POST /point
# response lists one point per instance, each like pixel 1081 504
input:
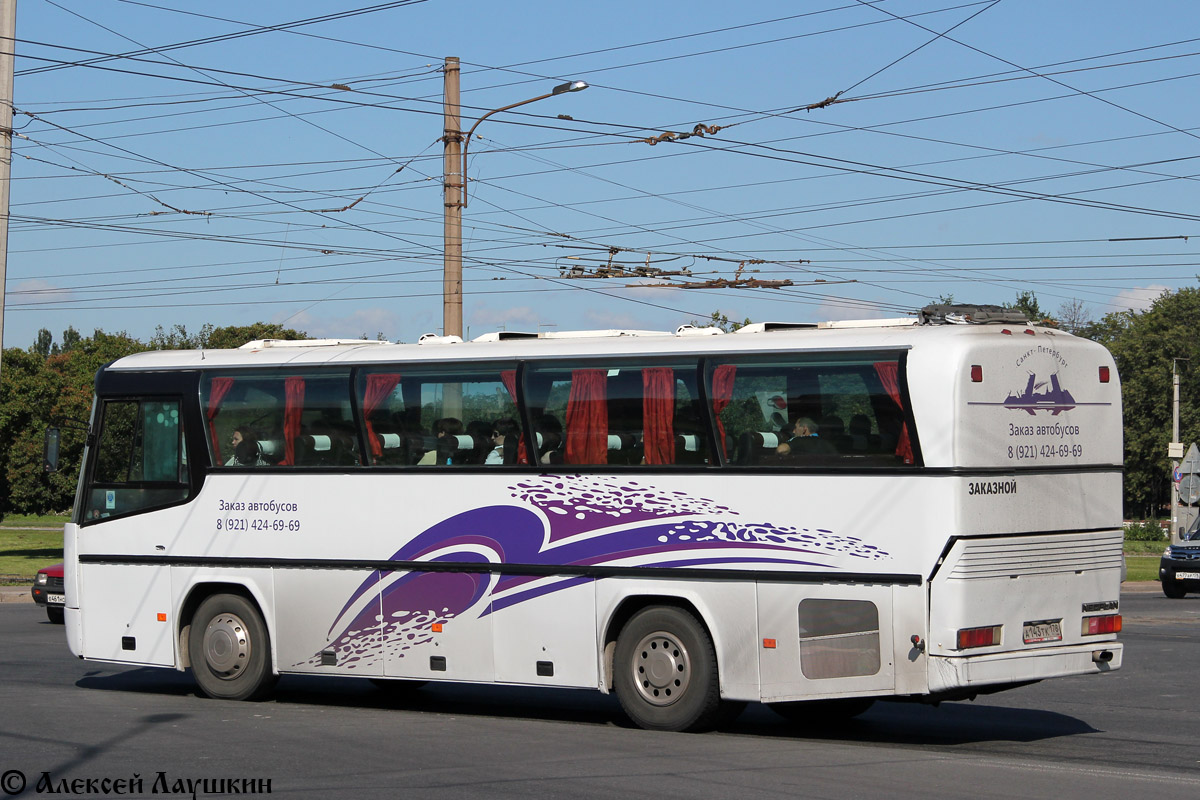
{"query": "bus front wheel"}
pixel 229 649
pixel 665 671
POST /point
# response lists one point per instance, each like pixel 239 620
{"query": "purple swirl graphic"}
pixel 574 520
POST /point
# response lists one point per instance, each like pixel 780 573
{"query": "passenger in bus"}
pixel 245 449
pixel 804 440
pixel 551 430
pixel 444 430
pixel 505 435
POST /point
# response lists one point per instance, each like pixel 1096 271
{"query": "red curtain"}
pixel 379 386
pixel 587 417
pixel 293 405
pixel 509 376
pixel 658 415
pixel 889 375
pixel 722 394
pixel 216 395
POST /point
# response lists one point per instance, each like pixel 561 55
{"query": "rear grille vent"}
pixel 1038 555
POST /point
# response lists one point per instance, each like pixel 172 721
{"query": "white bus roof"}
pixel 504 345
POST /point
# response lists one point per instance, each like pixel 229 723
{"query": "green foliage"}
pixel 1027 304
pixel 722 321
pixel 1148 530
pixel 1144 344
pixel 51 384
pixel 228 337
pixel 37 392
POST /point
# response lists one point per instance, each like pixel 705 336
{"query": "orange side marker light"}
pixel 437 627
pixel 162 617
pixel 768 644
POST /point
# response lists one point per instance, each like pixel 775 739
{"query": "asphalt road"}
pixel 1132 733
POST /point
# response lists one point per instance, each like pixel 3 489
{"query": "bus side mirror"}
pixel 50 450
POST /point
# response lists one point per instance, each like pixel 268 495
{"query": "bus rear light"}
pixel 1104 374
pixel 979 637
pixel 976 373
pixel 1030 332
pixel 1006 331
pixel 1096 625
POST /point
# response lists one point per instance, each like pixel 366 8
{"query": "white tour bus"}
pixel 810 516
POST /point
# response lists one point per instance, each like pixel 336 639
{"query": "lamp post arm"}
pixel 467 139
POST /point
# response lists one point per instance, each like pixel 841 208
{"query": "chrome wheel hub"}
pixel 226 646
pixel 661 668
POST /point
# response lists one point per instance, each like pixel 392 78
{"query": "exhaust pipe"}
pixel 1102 656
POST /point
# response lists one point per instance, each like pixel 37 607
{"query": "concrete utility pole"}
pixel 453 184
pixel 8 46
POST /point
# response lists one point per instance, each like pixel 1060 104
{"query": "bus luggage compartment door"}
pixel 825 641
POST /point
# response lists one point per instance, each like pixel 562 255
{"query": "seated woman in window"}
pixel 445 430
pixel 505 435
pixel 245 449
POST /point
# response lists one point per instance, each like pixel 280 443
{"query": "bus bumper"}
pixel 946 673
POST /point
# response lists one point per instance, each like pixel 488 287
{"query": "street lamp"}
pixel 562 88
pixel 454 163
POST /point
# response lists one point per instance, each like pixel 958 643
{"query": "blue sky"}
pixel 204 175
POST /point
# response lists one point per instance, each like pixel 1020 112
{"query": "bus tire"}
pixel 1172 589
pixel 230 650
pixel 55 614
pixel 666 671
pixel 812 712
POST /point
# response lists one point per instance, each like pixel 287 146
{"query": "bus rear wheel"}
pixel 665 671
pixel 229 649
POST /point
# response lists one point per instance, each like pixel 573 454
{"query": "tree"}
pixel 232 336
pixel 1144 344
pixel 1074 317
pixel 719 320
pixel 44 344
pixel 1027 304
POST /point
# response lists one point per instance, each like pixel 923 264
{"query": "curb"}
pixel 15 594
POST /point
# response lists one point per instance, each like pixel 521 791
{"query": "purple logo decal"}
pixel 1044 396
pixel 574 520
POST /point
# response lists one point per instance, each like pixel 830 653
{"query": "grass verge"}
pixel 23 553
pixel 55 521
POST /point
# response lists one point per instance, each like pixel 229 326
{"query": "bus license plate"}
pixel 56 599
pixel 1034 632
pixel 1187 576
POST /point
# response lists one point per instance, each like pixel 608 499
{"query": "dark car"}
pixel 1179 569
pixel 48 591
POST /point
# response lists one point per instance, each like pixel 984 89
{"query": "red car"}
pixel 48 591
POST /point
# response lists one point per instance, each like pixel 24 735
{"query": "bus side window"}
pixel 843 410
pixel 441 416
pixel 298 419
pixel 618 413
pixel 140 460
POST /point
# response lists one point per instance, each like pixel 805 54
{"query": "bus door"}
pixel 139 463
